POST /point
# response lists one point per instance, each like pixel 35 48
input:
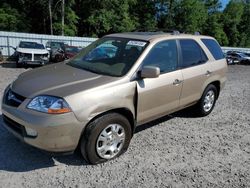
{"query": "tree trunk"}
pixel 50 17
pixel 63 2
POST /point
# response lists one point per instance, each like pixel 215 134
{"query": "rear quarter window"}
pixel 214 48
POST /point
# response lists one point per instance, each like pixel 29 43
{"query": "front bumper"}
pixel 55 133
pixel 33 59
pixel 33 62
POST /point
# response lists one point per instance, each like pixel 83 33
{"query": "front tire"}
pixel 105 138
pixel 207 101
pixel 18 65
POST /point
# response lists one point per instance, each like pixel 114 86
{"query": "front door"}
pixel 159 96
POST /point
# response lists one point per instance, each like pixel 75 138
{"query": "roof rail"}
pixel 175 32
pixel 197 33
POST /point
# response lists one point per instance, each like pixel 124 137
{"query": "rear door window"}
pixel 214 48
pixel 192 54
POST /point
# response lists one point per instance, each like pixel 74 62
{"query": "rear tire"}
pixel 207 101
pixel 105 138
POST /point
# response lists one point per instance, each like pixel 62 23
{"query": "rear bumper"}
pixel 55 133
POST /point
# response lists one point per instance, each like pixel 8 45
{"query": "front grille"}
pixel 26 56
pixel 13 99
pixel 14 126
pixel 38 57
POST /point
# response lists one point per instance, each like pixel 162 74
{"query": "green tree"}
pixel 144 11
pixel 35 14
pixel 8 20
pixel 96 18
pixel 190 15
pixel 214 23
pixel 245 26
pixel 111 16
pixel 232 18
pixel 214 28
pixel 71 19
pixel 11 19
pixel 213 6
pixel 166 14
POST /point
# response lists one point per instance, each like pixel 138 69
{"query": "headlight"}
pixel 49 104
pixel 44 56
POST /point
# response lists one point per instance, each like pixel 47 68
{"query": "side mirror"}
pixel 150 72
pixel 48 48
pixel 14 48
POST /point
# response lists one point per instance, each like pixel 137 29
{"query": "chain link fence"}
pixel 10 40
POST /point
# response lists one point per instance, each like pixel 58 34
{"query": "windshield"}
pixel 57 45
pixel 243 55
pixel 32 45
pixel 109 56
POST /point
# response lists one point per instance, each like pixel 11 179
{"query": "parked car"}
pixel 1 55
pixel 31 53
pixel 237 58
pixel 96 101
pixel 72 51
pixel 245 59
pixel 57 50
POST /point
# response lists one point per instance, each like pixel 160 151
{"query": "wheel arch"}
pixel 217 85
pixel 215 82
pixel 122 111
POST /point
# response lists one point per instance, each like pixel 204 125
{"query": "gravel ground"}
pixel 175 151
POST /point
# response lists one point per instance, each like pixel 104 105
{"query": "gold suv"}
pixel 95 100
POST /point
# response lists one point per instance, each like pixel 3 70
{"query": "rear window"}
pixel 214 48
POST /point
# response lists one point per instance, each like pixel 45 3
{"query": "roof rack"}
pixel 197 33
pixel 175 32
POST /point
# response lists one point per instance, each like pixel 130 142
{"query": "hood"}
pixel 248 58
pixel 57 80
pixel 32 51
pixel 70 54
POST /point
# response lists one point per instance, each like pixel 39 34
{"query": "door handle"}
pixel 208 73
pixel 177 82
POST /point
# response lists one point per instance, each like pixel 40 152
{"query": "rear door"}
pixel 195 70
pixel 219 64
pixel 159 96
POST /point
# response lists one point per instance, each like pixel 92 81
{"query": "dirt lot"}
pixel 177 150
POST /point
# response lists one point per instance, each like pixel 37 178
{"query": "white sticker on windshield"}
pixel 136 43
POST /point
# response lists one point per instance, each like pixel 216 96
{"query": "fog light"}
pixel 31 132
